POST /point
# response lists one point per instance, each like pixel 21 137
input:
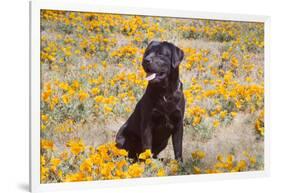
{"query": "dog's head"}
pixel 161 59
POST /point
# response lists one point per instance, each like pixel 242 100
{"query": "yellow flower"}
pixel 46 95
pixel 128 110
pixel 106 169
pixel 135 170
pixel 253 160
pixel 55 162
pixel 196 170
pixel 70 91
pixel 86 165
pixel 174 166
pixel 225 55
pixel 234 61
pixel 212 171
pixel 220 158
pixel 54 102
pixel 216 123
pixel 230 158
pixel 122 152
pixel 83 95
pixel 44 173
pixel 223 114
pixel 95 91
pixel 219 165
pixel 229 162
pixel 47 144
pixel 121 164
pixel 75 177
pixel 76 147
pixel 198 154
pixel 99 99
pixel 242 164
pixel 64 86
pixel 145 155
pixel 43 127
pixel 107 109
pixel 75 84
pixel 42 160
pixel 65 99
pixel 148 161
pixel 120 173
pixel 96 159
pixel 233 114
pixel 196 120
pixel 249 79
pixel 238 104
pixel 60 173
pixel 44 118
pixel 161 172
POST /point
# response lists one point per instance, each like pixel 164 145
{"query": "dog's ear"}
pixel 177 56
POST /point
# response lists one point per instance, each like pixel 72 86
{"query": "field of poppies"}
pixel 91 79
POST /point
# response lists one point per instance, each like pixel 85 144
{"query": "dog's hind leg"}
pixel 120 137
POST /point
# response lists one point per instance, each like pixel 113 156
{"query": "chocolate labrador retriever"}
pixel 159 113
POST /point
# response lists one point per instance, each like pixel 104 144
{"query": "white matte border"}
pixel 89 6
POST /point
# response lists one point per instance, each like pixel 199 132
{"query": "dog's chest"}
pixel 168 104
pixel 166 113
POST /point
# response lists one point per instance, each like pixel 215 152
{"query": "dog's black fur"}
pixel 159 113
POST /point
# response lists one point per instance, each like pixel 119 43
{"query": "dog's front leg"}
pixel 146 137
pixel 177 141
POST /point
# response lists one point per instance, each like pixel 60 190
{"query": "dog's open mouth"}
pixel 151 76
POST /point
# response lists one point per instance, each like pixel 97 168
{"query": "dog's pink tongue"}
pixel 150 76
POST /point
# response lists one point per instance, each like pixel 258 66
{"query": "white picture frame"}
pixel 36 6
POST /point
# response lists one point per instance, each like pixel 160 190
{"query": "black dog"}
pixel 159 113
